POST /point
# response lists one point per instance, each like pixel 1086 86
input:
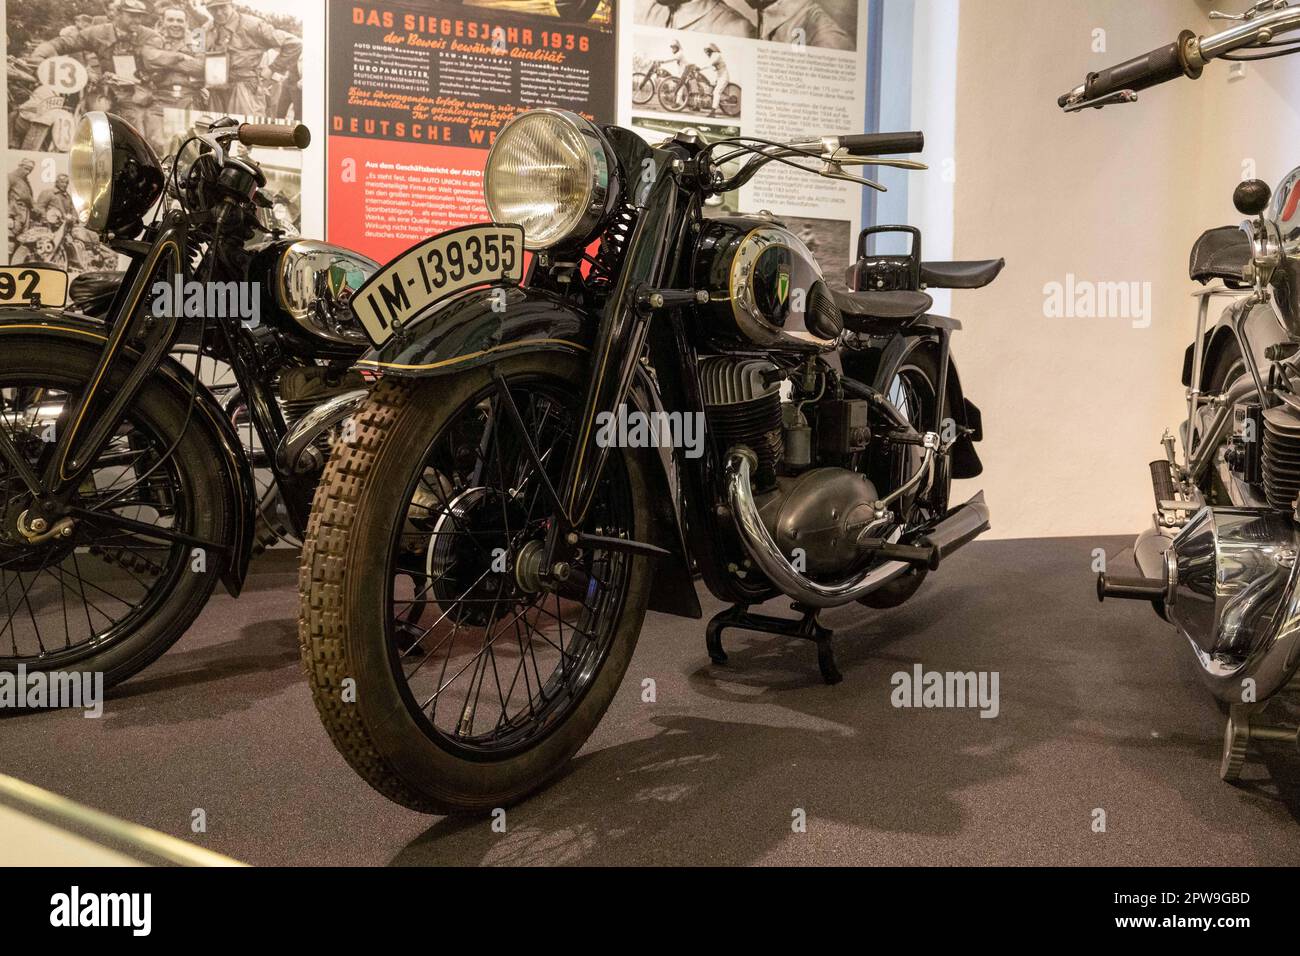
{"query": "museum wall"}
pixel 1075 400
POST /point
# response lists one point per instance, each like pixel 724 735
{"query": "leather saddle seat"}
pixel 871 311
pixel 93 288
pixel 1221 253
pixel 972 274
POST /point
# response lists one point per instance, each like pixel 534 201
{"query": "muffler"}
pixel 958 528
pixel 297 452
pixel 1229 585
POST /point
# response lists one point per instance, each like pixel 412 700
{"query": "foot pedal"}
pixel 1162 482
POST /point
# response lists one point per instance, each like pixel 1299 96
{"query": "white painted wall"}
pixel 1074 407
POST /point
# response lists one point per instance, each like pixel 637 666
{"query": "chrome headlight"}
pixel 115 176
pixel 91 170
pixel 550 172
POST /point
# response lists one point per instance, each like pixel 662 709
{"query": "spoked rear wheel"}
pixel 475 677
pixel 914 391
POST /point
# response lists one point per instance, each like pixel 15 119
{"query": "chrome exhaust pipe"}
pixel 1231 585
pixel 295 453
pixel 740 463
pixel 962 525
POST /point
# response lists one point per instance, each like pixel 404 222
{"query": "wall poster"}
pixel 163 65
pixel 404 98
pixel 417 91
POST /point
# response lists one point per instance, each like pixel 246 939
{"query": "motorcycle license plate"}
pixel 405 291
pixel 26 285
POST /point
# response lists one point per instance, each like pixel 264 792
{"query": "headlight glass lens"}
pixel 546 173
pixel 90 166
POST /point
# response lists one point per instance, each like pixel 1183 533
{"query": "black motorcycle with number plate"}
pixel 131 487
pixel 585 402
pixel 1219 561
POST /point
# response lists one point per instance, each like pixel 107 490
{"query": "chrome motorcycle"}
pixel 557 446
pixel 1219 561
pixel 128 488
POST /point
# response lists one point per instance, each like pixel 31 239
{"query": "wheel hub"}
pixel 470 559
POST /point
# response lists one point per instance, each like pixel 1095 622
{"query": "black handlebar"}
pixel 1159 66
pixel 276 135
pixel 880 144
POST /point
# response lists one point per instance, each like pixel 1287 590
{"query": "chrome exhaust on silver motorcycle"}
pixel 1230 586
pixel 959 528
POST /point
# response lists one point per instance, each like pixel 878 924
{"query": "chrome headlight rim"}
pixel 599 172
pixel 94 201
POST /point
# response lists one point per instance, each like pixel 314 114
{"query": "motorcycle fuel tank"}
pixel 312 283
pixel 765 287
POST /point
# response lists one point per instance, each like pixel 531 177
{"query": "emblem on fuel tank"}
pixel 783 285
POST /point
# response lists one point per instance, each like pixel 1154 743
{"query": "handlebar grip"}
pixel 1151 69
pixel 277 135
pixel 880 144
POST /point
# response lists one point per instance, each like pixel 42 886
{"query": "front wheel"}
pixel 643 88
pixel 450 672
pixel 673 94
pixel 104 594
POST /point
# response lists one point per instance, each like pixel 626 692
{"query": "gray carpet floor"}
pixel 1100 710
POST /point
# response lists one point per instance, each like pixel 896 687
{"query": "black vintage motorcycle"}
pixel 1219 561
pixel 543 463
pixel 128 491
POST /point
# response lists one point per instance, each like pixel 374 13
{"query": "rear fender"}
pixel 878 366
pixel 1262 330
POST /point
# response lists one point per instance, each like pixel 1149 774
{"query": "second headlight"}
pixel 550 172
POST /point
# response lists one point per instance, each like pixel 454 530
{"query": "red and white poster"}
pixel 416 92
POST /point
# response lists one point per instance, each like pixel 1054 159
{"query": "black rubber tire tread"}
pixel 390 751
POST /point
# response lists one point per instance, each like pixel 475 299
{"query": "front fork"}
pixel 648 263
pixel 82 431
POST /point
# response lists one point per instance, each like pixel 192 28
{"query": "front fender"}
pixel 227 452
pixel 480 327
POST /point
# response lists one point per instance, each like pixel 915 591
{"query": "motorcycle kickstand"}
pixel 806 626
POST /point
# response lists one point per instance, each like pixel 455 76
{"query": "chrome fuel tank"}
pixel 311 284
pixel 765 287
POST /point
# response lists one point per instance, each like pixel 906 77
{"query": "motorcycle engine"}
pixel 1280 456
pixel 813 513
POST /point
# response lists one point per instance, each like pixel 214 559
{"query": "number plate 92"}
pixel 405 291
pixel 25 285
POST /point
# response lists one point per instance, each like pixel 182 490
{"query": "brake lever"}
pixel 833 170
pixel 1110 99
pixel 841 158
pixel 1253 12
